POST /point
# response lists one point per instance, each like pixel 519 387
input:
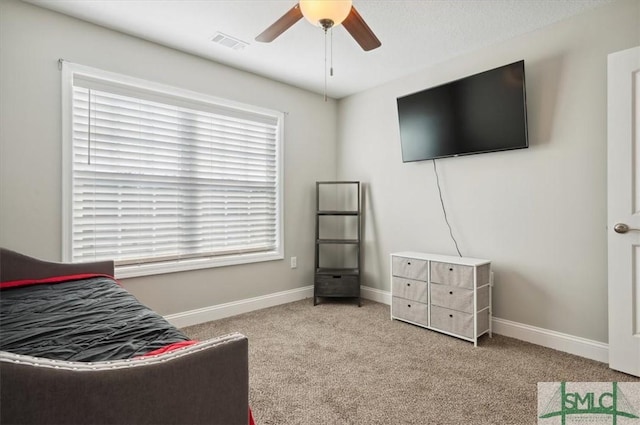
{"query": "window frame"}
pixel 69 70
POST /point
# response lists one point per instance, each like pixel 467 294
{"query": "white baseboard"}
pixel 559 341
pixel 220 311
pixel 377 295
pixel 582 347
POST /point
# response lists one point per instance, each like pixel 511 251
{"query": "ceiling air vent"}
pixel 228 41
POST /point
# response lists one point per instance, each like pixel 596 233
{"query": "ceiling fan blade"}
pixel 281 25
pixel 360 31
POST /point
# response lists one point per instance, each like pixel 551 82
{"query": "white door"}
pixel 624 210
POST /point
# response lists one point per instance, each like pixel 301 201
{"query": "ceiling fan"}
pixel 327 14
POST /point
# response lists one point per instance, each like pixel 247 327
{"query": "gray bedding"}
pixel 88 320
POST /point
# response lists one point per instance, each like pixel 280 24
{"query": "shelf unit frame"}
pixel 337 282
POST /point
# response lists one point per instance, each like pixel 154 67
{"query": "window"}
pixel 161 179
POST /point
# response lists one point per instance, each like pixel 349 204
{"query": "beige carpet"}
pixel 339 364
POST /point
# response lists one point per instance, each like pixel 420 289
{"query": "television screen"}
pixel 485 112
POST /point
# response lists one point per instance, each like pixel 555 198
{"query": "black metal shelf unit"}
pixel 339 274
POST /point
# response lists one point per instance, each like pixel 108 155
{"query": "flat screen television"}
pixel 485 112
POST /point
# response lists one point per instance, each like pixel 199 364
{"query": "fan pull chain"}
pixel 331 53
pixel 330 67
pixel 325 64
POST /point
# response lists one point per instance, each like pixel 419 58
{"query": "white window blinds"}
pixel 159 178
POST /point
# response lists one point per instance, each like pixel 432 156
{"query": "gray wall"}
pixel 31 42
pixel 539 214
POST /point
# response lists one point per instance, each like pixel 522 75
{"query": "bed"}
pixel 77 348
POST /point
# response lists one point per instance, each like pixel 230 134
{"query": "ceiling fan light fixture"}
pixel 325 13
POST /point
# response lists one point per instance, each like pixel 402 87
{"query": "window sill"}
pixel 149 269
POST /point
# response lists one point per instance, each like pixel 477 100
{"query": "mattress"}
pixel 83 318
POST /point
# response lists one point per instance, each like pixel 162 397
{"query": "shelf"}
pixel 338 241
pixel 335 212
pixel 336 271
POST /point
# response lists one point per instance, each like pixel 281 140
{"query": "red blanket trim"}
pixel 54 279
pixel 251 420
pixel 168 348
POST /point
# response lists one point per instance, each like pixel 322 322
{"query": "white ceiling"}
pixel 414 34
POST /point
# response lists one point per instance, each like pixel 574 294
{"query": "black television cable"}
pixel 444 210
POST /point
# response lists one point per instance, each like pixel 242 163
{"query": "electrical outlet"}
pixel 294 262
